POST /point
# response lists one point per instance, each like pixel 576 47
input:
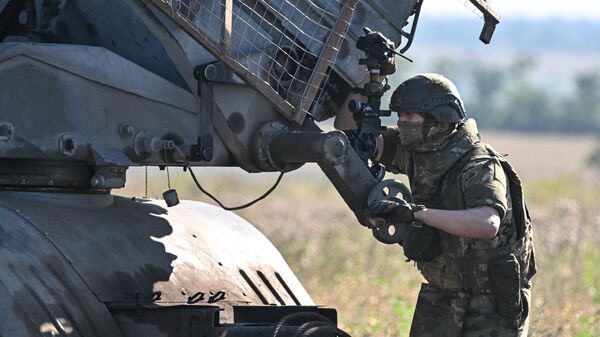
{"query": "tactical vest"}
pixel 464 262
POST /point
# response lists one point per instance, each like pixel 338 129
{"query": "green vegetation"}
pixel 507 99
pixel 567 287
pixel 505 96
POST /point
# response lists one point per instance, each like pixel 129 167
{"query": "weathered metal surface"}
pixel 42 294
pixel 135 252
pixel 169 321
pixel 90 101
pixel 353 181
pixel 92 23
pixel 136 81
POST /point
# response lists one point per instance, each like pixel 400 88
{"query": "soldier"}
pixel 469 231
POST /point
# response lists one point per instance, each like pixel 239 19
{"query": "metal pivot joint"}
pixel 281 149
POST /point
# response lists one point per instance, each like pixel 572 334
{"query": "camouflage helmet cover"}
pixel 432 94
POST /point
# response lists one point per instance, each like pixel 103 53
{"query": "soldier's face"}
pixel 410 127
pixel 410 117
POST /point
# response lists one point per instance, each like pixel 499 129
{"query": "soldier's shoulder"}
pixel 476 157
pixel 483 164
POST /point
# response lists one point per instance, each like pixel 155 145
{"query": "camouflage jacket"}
pixel 465 174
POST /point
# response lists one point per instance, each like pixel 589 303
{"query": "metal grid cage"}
pixel 283 48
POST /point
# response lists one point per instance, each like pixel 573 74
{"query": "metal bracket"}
pixel 206 75
pixel 488 29
pixel 413 28
pixel 491 18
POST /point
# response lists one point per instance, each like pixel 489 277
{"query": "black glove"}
pixel 389 67
pixel 394 210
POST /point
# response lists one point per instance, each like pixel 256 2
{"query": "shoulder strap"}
pixel 516 192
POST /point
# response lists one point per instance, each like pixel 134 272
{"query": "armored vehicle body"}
pixel 89 88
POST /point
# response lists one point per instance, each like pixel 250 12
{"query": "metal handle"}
pixel 388 233
pixel 389 188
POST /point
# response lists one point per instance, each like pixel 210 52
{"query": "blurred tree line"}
pixel 507 98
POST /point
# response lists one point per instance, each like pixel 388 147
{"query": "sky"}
pixel 535 9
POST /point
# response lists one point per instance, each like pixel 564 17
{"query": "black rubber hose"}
pixel 302 317
pixel 314 323
pixel 311 325
pixel 320 331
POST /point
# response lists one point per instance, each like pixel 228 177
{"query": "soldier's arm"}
pixel 483 183
pixel 479 222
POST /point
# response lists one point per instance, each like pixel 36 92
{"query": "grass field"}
pixel 374 290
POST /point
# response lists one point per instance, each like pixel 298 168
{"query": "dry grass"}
pixel 374 290
pixel 567 288
pixel 540 156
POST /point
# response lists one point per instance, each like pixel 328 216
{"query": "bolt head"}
pixel 207 154
pixel 211 72
pixel 126 130
pixel 98 181
pixel 338 148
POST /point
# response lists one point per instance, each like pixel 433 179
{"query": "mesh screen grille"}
pixel 283 48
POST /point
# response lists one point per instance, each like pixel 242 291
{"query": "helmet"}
pixel 432 94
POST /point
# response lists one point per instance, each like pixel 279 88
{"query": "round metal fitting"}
pixel 98 181
pixel 263 157
pixel 335 148
pixel 152 144
pixel 236 122
pixel 262 153
pixel 210 72
pixel 139 145
pixel 126 131
pixel 66 145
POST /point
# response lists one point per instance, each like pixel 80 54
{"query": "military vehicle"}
pixel 89 88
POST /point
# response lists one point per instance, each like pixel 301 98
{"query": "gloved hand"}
pixel 394 210
pixel 388 67
pixel 378 46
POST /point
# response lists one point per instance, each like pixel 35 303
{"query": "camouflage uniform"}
pixel 459 299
